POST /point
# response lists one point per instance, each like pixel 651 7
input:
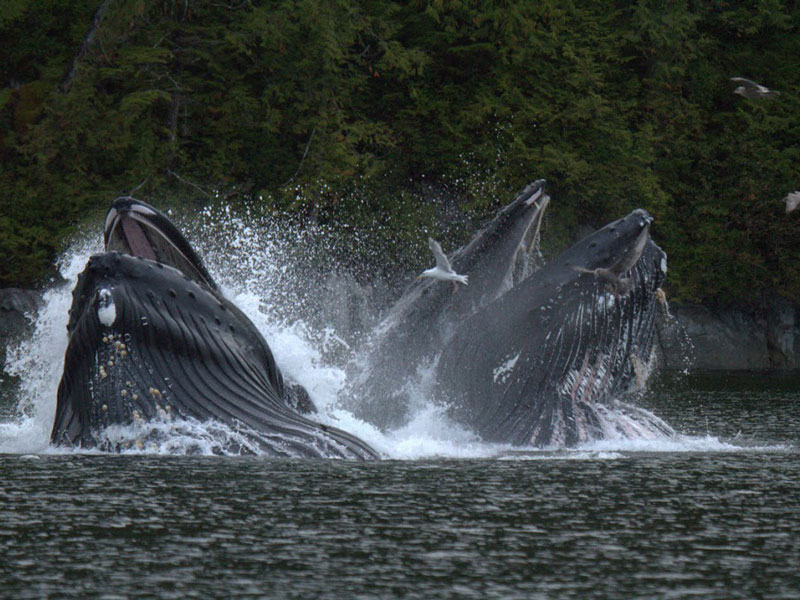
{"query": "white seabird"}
pixel 792 200
pixel 751 89
pixel 442 271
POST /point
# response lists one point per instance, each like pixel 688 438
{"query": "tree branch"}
pixel 138 186
pixel 300 166
pixel 87 42
pixel 187 182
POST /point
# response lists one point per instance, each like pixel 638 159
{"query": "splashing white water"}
pixel 38 361
pixel 276 275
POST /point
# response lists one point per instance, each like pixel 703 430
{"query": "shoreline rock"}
pixel 736 338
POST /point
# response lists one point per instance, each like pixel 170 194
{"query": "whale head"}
pixel 154 344
pixel 136 228
pixel 618 245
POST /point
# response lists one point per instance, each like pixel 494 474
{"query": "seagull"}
pixel 613 275
pixel 751 89
pixel 792 200
pixel 442 271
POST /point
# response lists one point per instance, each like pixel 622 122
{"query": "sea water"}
pixel 711 512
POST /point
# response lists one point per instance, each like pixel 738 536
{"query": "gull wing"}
pixel 441 259
pixel 749 84
pixel 792 200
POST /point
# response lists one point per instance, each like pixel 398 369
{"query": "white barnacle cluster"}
pixel 164 414
pixel 118 350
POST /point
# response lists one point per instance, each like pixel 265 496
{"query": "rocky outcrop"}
pixel 761 337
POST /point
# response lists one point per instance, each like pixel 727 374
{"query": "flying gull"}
pixel 751 89
pixel 442 271
pixel 792 200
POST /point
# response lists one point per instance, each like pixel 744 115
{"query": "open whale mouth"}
pixel 136 228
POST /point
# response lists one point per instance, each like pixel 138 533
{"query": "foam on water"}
pixel 264 268
pixel 38 361
pixel 677 443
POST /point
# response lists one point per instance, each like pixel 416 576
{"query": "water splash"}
pixel 283 277
pixel 38 360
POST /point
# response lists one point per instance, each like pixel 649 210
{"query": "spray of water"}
pixel 312 312
pixel 38 361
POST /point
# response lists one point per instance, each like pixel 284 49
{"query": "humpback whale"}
pixel 539 359
pixel 545 363
pixel 152 338
pixel 415 327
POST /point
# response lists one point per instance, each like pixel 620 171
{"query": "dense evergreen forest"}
pixel 364 110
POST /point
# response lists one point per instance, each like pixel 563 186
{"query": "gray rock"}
pixel 782 332
pixel 733 338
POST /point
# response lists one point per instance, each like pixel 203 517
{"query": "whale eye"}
pixel 191 295
pixel 172 293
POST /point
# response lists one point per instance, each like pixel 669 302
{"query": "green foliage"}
pixel 354 110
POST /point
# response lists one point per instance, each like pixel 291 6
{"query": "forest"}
pixel 398 114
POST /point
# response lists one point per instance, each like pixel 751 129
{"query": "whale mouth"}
pixel 136 228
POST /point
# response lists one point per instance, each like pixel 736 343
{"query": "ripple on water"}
pixel 648 525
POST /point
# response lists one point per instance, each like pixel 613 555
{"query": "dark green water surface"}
pixel 671 523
